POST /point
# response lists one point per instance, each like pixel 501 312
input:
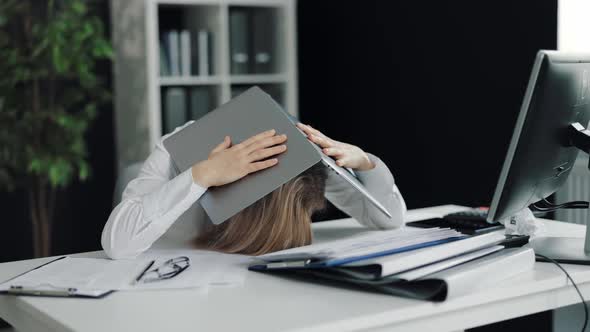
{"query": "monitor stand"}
pixel 567 249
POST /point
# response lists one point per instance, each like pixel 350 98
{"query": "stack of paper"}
pixel 431 264
pixel 366 246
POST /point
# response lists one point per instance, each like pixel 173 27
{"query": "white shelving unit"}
pixel 137 26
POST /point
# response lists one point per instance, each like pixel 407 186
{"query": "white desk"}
pixel 271 303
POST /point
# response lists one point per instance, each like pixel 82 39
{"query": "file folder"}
pixel 434 270
pixel 477 274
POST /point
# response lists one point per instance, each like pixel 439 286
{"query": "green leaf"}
pixel 60 173
pixel 55 176
pixel 59 62
pixel 102 49
pixel 35 166
pixel 84 171
pixel 87 79
pixel 77 147
pixel 90 111
pixel 79 7
pixel 63 120
pixel 87 30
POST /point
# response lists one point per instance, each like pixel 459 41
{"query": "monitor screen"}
pixel 540 155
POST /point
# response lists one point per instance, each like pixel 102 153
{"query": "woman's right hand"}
pixel 227 163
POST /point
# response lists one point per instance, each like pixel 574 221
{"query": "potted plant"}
pixel 49 93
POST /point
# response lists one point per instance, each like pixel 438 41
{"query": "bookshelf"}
pixel 232 45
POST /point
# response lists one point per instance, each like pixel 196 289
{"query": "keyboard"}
pixel 467 222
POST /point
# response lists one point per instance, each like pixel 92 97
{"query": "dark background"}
pixel 433 88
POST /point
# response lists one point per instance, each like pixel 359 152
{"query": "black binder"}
pixel 481 272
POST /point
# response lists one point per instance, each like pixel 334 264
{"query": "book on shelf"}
pixel 263 41
pixel 253 40
pixel 200 102
pixel 205 52
pixel 239 40
pixel 172 43
pixel 185 53
pixel 174 112
pixel 164 62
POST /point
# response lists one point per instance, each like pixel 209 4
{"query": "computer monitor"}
pixel 549 133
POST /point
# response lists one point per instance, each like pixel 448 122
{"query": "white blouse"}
pixel 159 209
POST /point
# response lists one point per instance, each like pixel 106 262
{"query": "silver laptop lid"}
pixel 248 114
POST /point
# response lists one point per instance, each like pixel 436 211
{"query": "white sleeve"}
pixel 379 182
pixel 151 203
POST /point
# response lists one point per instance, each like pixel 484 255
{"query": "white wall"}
pixel 573 25
pixel 573 34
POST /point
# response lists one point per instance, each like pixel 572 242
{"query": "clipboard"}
pixel 47 290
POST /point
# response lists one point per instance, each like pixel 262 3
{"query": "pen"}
pixel 143 272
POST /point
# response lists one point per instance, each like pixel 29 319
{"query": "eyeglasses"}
pixel 169 269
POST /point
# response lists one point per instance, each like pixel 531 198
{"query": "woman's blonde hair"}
pixel 279 220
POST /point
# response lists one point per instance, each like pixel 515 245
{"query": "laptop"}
pixel 248 114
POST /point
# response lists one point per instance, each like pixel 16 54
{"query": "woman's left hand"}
pixel 346 155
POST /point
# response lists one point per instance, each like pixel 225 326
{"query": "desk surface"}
pixel 270 303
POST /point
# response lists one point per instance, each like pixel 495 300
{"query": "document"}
pixel 94 276
pixel 447 263
pixel 481 273
pixel 391 264
pixel 207 268
pixel 367 245
pixel 80 273
pixel 398 263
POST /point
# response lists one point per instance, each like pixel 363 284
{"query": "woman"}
pixel 158 206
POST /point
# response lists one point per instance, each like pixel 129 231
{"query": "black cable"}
pixel 570 205
pixel 581 203
pixel 548 206
pixel 552 207
pixel 536 207
pixel 575 286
